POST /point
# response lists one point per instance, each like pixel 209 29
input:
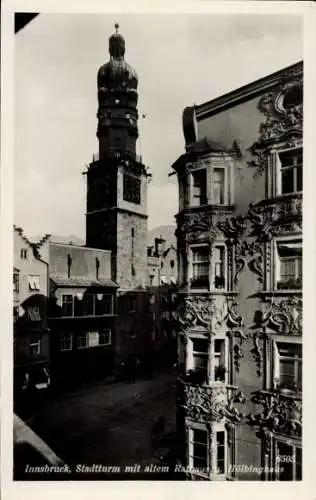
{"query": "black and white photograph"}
pixel 157 247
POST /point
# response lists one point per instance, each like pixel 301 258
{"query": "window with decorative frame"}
pixel 287 460
pixel 199 450
pixel 288 264
pixel 218 186
pixel 197 359
pixel 219 267
pixel 288 366
pixel 219 360
pixel 290 171
pixel 200 277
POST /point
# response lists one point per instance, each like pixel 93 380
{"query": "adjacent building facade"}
pixel 31 332
pixel 239 238
pixel 82 314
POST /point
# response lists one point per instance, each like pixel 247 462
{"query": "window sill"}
pixel 281 292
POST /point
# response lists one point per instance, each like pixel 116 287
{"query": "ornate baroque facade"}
pixel 239 233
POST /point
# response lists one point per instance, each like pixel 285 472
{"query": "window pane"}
pixel 67 309
pixel 78 307
pixel 299 374
pixel 88 305
pixel 218 186
pixel 220 436
pixel 200 345
pixel 287 372
pixel 200 436
pixel 200 254
pixel 200 362
pixel 287 180
pixel 199 187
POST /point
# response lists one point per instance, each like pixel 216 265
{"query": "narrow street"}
pixel 110 425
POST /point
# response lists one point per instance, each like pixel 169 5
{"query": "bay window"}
pixel 200 356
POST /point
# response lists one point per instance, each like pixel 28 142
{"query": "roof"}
pixel 81 281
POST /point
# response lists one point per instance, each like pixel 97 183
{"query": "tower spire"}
pixel 116 26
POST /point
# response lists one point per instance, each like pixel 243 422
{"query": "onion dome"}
pixel 117 73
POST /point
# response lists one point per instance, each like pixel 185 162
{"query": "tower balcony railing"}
pixel 117 154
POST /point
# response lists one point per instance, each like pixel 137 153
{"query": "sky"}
pixel 180 60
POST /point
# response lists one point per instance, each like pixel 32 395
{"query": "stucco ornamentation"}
pixel 232 227
pixel 285 316
pixel 276 218
pixel 280 414
pixel 250 253
pixel 256 351
pixel 206 404
pixel 195 311
pixel 283 119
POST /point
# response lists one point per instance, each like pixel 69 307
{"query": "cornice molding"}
pixel 247 91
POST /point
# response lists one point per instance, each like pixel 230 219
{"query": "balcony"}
pixel 282 411
pixel 209 403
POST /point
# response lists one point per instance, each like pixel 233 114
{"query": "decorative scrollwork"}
pixel 280 121
pixel 281 414
pixel 232 227
pixel 285 316
pixel 207 404
pixel 250 253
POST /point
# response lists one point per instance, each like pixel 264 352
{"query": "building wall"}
pixel 76 365
pixel 251 312
pixel 83 261
pixel 131 250
pixel 31 336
